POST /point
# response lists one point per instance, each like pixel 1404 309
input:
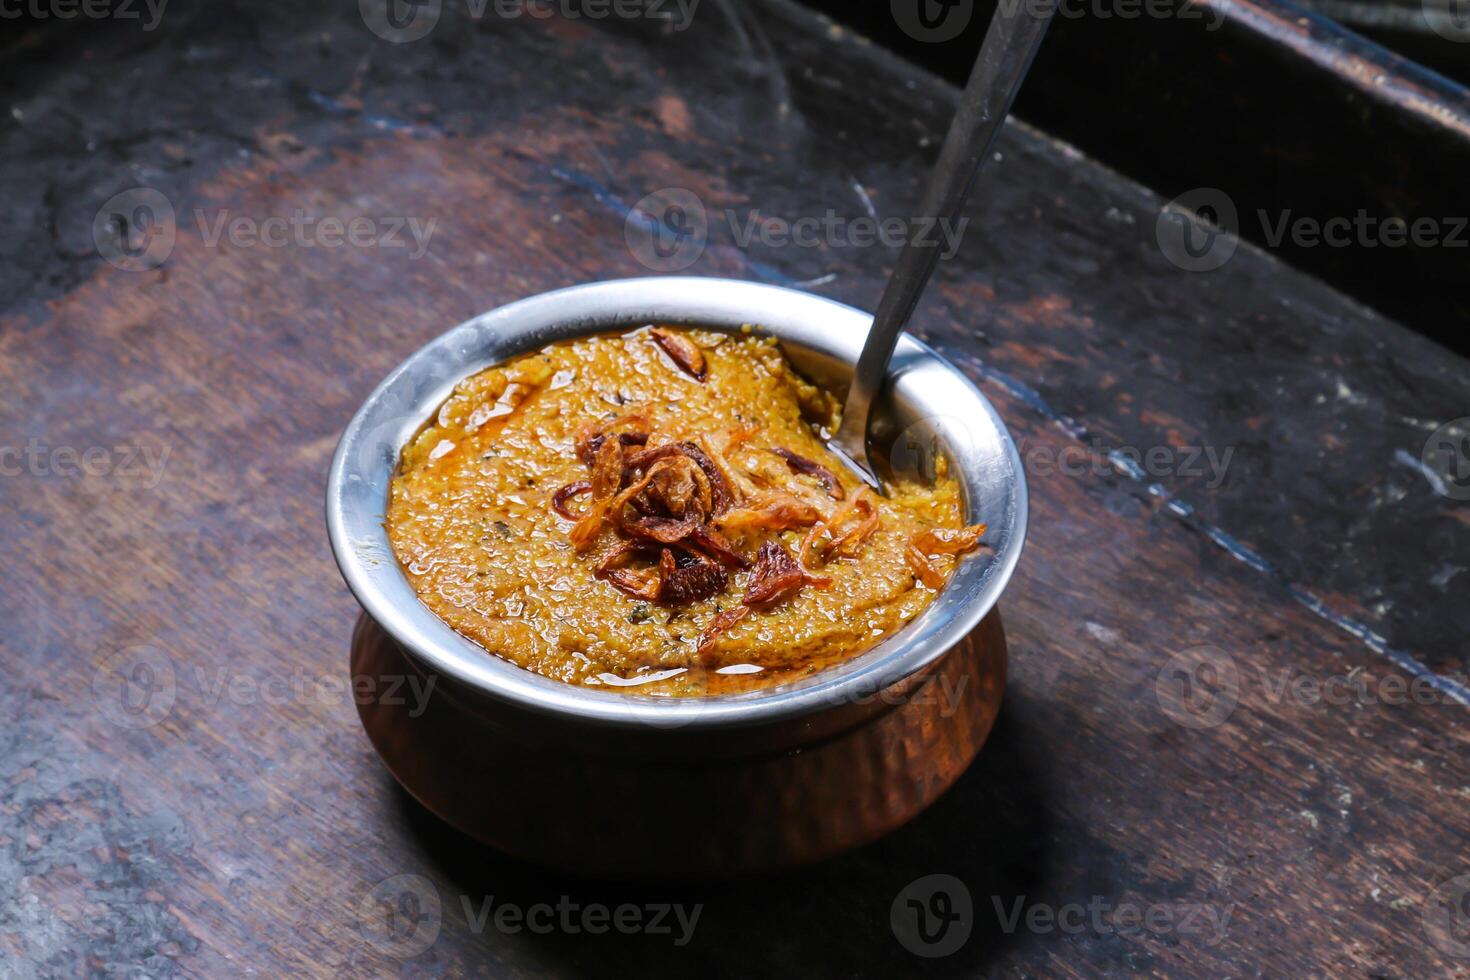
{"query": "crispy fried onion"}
pixel 682 351
pixel 672 503
pixel 630 430
pixel 718 627
pixel 842 534
pixel 800 464
pixel 712 543
pixel 607 477
pixel 566 493
pixel 675 578
pixel 663 494
pixel 771 510
pixel 940 541
pixel 647 584
pixel 777 576
pixel 692 577
pixel 717 446
pixel 720 495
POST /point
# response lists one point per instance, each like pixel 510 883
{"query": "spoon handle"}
pixel 1010 45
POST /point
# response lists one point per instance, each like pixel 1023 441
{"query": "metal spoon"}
pixel 1011 41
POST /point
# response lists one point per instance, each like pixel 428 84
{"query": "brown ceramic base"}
pixel 608 802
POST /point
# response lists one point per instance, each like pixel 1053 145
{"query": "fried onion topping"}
pixel 940 541
pixel 800 464
pixel 630 430
pixel 566 493
pixel 682 351
pixel 718 627
pixel 776 576
pixel 842 534
pixel 684 511
pixel 771 510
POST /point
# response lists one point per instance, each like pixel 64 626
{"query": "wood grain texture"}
pixel 231 816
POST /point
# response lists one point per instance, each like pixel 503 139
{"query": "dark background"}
pixel 1289 112
pixel 1244 108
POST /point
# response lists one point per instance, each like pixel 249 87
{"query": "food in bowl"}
pixel 657 512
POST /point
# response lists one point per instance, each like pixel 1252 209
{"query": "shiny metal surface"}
pixel 670 802
pixel 927 404
pixel 1005 57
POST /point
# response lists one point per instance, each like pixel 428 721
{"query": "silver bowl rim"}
pixel 368 452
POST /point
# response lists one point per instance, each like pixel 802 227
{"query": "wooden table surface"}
pixel 1234 740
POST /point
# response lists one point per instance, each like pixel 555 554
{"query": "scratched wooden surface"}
pixel 183 788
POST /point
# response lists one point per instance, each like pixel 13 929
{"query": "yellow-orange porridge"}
pixel 657 512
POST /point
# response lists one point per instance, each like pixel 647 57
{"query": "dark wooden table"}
pixel 184 786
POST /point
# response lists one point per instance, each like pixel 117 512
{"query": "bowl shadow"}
pixel 833 918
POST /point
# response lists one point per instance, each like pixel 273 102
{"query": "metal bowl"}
pixel 570 775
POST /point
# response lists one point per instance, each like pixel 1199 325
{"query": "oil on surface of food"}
pixel 656 512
